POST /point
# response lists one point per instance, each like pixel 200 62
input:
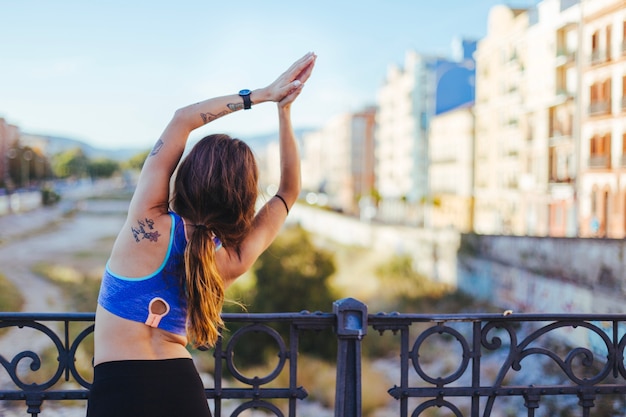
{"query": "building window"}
pixel 600 98
pixel 600 151
pixel 595 47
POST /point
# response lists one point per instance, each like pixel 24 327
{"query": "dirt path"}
pixel 77 233
pixel 46 236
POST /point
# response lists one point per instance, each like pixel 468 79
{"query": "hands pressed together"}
pixel 286 88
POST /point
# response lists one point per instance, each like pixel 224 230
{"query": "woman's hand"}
pixel 289 84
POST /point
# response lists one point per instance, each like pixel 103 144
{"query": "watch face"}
pixel 244 92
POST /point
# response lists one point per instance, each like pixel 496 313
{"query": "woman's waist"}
pixel 118 339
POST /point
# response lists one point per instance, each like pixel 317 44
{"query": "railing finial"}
pixel 351 318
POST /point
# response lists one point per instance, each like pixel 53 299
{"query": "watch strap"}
pixel 245 95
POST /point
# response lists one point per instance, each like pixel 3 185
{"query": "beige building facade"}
pixel 602 186
pixel 338 161
pixel 563 114
pixel 402 138
pixel 451 170
pixel 532 110
pixel 500 143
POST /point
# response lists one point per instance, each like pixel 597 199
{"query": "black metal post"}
pixel 351 327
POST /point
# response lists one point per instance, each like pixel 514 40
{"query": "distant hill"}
pixel 52 145
pixel 260 142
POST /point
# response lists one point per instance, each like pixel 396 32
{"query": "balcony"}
pixel 560 179
pixel 565 57
pixel 598 57
pixel 491 361
pixel 558 131
pixel 600 161
pixel 599 108
pixel 564 94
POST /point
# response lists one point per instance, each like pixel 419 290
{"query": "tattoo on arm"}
pixel 235 106
pixel 140 232
pixel 209 117
pixel 157 147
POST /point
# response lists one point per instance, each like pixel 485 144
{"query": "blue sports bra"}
pixel 157 300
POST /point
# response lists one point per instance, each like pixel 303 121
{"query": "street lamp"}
pixel 27 155
pixel 11 154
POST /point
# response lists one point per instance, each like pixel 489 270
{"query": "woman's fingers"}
pixel 295 88
pixel 300 67
pixel 306 72
pixel 297 74
pixel 292 94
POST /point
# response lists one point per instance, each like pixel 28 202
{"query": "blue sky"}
pixel 112 73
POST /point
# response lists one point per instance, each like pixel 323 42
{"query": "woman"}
pixel 164 283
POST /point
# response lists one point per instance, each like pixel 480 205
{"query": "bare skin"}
pixel 142 244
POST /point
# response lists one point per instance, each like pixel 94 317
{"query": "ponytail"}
pixel 216 187
pixel 204 288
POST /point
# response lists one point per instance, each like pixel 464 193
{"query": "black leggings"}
pixel 154 388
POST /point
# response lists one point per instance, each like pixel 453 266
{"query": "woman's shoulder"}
pixel 145 238
pixel 150 227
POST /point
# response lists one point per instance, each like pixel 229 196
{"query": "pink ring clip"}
pixel 158 309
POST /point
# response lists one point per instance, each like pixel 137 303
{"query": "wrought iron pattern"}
pixel 33 383
pixel 23 367
pixel 489 360
pixel 516 344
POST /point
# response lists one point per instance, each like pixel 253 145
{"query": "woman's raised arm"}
pixel 271 217
pixel 152 192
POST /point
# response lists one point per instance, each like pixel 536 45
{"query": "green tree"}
pixel 291 276
pixel 26 165
pixel 404 288
pixel 136 161
pixel 102 168
pixel 71 163
pixel 11 298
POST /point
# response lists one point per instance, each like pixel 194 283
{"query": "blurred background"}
pixel 458 156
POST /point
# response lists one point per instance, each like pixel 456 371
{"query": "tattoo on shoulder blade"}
pixel 157 147
pixel 143 231
pixel 209 117
pixel 235 106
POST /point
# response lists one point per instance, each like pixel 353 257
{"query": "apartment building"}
pixel 404 105
pixel 500 147
pixel 362 160
pixel 602 186
pixel 313 147
pixel 338 160
pixel 9 134
pixel 451 174
pixel 526 118
pixel 563 22
pixel 410 96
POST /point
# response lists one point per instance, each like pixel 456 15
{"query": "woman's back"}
pixel 140 252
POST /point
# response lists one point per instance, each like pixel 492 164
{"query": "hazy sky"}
pixel 111 73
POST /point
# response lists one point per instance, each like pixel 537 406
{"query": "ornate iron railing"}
pixel 466 364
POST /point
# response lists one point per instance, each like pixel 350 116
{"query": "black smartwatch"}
pixel 245 95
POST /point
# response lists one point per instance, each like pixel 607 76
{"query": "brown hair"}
pixel 216 186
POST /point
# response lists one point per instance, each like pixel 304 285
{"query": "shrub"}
pixel 10 296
